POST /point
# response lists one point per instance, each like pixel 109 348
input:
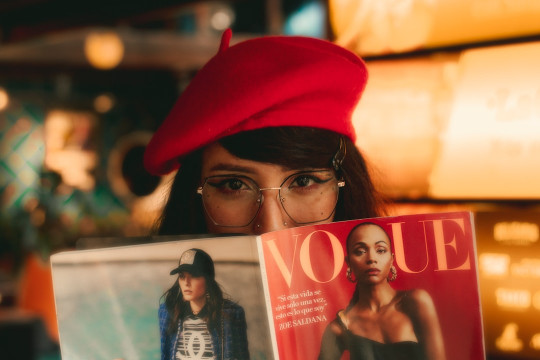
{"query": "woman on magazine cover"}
pixel 263 140
pixel 195 321
pixel 381 323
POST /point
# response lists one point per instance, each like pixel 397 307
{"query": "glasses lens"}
pixel 230 200
pixel 310 197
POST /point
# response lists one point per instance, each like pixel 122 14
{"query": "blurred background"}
pixel 450 120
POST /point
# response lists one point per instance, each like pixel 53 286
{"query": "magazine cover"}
pixel 428 260
pixel 387 288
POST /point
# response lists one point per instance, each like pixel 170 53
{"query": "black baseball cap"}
pixel 196 262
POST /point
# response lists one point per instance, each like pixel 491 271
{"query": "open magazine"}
pixel 291 285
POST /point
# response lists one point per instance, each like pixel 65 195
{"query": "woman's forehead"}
pixel 369 233
pixel 186 272
pixel 217 160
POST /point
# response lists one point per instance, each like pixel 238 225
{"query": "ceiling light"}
pixel 222 17
pixel 104 49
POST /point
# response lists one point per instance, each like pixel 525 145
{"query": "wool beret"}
pixel 262 82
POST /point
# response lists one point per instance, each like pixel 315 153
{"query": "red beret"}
pixel 262 82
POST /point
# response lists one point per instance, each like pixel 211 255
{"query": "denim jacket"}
pixel 233 328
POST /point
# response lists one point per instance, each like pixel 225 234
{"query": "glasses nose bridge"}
pixel 270 188
pixel 261 195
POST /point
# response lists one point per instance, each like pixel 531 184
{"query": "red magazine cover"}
pixel 431 309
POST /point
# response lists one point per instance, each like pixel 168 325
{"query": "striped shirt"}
pixel 194 341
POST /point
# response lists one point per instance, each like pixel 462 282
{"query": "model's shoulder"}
pixel 337 326
pixel 162 307
pixel 231 305
pixel 163 312
pixel 417 301
pixel 419 296
pixel 415 295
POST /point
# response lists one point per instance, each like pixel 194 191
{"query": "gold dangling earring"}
pixel 393 274
pixel 349 275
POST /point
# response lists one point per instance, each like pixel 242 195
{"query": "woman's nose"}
pixel 371 257
pixel 271 216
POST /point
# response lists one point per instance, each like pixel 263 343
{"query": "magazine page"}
pixel 107 300
pixel 434 308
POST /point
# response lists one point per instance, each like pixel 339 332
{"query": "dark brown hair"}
pixel 291 147
pixel 178 308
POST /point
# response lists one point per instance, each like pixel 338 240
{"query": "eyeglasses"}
pixel 235 200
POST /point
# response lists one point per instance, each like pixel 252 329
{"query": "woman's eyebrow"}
pixel 359 244
pixel 363 244
pixel 232 168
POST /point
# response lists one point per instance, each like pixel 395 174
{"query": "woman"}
pixel 263 133
pixel 195 321
pixel 381 323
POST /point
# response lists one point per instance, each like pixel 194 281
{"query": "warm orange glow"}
pixel 494 264
pixel 383 26
pixel 36 292
pixel 491 146
pixel 103 103
pixel 514 299
pixel 67 137
pixel 516 232
pixel 463 126
pixel 509 340
pixel 104 50
pixel 527 268
pixel 404 107
pixel 536 301
pixel 535 341
pixel 375 26
pixel 4 99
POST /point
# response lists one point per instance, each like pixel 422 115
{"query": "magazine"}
pixel 291 284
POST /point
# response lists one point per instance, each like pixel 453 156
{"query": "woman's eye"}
pixel 307 180
pixel 360 251
pixel 303 181
pixel 229 184
pixel 381 250
pixel 234 184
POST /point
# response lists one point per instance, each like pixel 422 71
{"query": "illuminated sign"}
pixel 491 145
pixel 397 122
pixel 513 299
pixel 372 27
pixel 509 340
pixel 516 232
pixel 509 264
pixel 494 264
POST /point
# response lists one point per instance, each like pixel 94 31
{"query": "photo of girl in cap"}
pixel 381 322
pixel 262 139
pixel 195 320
